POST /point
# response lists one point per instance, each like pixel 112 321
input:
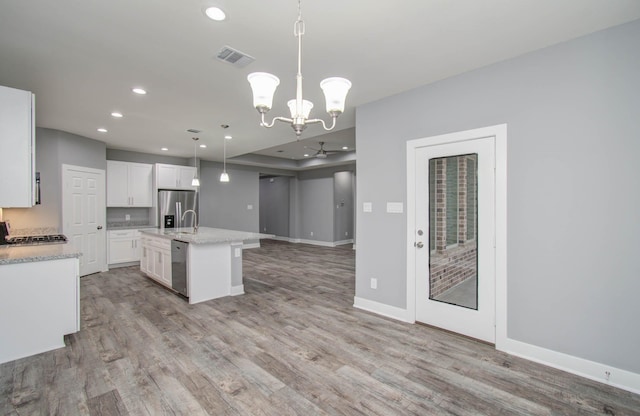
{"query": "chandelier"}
pixel 264 86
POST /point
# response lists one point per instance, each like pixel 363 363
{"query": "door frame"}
pixel 103 210
pixel 499 132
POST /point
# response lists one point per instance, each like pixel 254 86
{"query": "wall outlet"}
pixel 311 233
pixel 374 283
pixel 127 217
pixel 238 252
pixel 264 229
pixel 249 206
pixel 346 233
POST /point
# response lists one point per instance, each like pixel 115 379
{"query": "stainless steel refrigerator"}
pixel 171 206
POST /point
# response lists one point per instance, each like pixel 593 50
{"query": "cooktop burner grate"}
pixel 31 240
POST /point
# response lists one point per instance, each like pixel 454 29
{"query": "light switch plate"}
pixel 249 206
pixel 367 207
pixel 395 207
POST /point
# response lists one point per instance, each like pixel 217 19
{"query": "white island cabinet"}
pixel 213 261
pixel 39 300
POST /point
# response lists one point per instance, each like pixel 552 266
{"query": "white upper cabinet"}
pixel 17 147
pixel 129 184
pixel 175 177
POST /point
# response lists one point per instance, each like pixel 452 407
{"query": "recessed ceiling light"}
pixel 204 146
pixel 102 130
pixel 116 114
pixel 306 155
pixel 164 149
pixel 228 137
pixel 139 91
pixel 345 147
pixel 215 13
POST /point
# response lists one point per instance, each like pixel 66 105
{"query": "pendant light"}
pixel 224 176
pixel 195 181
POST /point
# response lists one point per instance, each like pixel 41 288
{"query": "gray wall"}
pixel 316 209
pixel 343 198
pixel 274 205
pixel 573 188
pixel 53 149
pixel 225 205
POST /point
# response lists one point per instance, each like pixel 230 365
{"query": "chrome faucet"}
pixel 195 219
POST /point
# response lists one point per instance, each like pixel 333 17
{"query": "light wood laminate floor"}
pixel 292 345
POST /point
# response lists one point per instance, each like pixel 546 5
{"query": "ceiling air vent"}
pixel 234 57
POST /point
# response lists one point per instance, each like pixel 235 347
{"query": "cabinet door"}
pixel 140 185
pixel 187 174
pixel 166 267
pixel 117 184
pixel 166 176
pixel 143 258
pixel 17 147
pixel 121 250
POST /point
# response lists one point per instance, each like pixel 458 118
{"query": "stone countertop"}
pixel 27 254
pixel 205 235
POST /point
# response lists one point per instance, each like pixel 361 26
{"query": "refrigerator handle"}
pixel 179 214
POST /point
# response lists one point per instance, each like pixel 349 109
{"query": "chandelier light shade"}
pixel 335 93
pixel 264 87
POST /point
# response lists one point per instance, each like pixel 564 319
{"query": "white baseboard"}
pixel 619 378
pixel 592 370
pixel 313 242
pixel 382 309
pixel 237 290
pixel 342 242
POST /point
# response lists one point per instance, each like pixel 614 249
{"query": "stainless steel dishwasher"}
pixel 179 266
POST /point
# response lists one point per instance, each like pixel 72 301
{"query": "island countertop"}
pixel 26 254
pixel 205 235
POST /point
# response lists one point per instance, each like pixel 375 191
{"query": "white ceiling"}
pixel 82 57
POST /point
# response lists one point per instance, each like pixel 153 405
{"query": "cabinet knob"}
pixel 99 227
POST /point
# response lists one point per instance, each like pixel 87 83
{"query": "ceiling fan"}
pixel 322 153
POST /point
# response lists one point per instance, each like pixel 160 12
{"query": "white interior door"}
pixel 455 237
pixel 84 215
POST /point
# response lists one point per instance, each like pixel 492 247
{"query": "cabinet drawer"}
pixel 122 233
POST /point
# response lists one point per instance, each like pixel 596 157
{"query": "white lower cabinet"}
pixel 39 305
pixel 123 246
pixel 156 259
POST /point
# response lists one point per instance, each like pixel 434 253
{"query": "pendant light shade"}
pixel 195 181
pixel 224 176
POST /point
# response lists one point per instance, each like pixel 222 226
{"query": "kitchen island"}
pixel 39 300
pixel 213 260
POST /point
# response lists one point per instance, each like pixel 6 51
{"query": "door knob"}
pixel 419 244
pixel 99 227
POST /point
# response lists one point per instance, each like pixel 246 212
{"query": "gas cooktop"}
pixel 32 240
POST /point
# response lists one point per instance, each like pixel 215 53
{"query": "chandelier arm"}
pixel 263 123
pixel 324 126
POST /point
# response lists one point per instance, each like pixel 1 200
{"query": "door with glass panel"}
pixel 455 228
